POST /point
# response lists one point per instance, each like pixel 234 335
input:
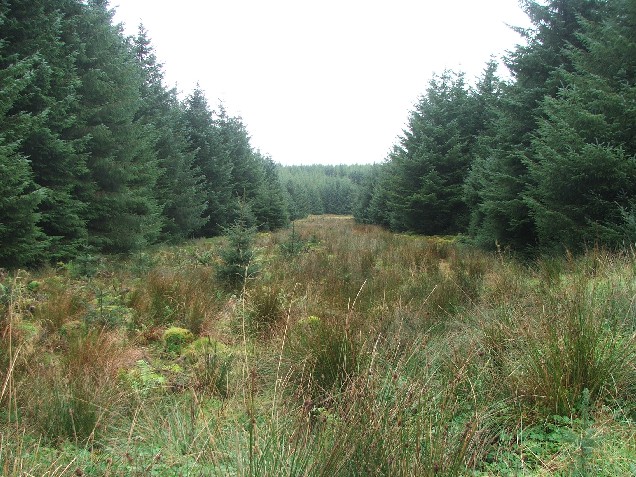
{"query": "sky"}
pixel 321 82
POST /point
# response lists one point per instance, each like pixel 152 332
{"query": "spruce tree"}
pixel 338 196
pixel 499 176
pixel 238 257
pixel 370 204
pixel 429 166
pixel 180 186
pixel 21 240
pixel 583 166
pixel 298 200
pixel 487 213
pixel 213 160
pixel 233 147
pixel 269 204
pixel 122 213
pixel 41 32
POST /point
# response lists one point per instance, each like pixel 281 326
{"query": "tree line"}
pixel 98 154
pixel 323 189
pixel 545 160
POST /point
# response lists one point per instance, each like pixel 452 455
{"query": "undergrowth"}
pixel 353 352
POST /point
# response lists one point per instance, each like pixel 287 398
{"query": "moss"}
pixel 204 345
pixel 175 339
pixel 33 285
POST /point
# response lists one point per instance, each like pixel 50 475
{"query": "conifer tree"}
pixel 298 200
pixel 432 160
pixel 180 185
pixel 41 32
pixel 484 221
pixel 500 175
pixel 122 213
pixel 269 205
pixel 238 258
pixel 583 166
pixel 233 147
pixel 370 204
pixel 206 143
pixel 338 196
pixel 21 240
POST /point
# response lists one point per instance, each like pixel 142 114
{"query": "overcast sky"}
pixel 328 81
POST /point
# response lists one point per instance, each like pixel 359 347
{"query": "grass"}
pixel 354 352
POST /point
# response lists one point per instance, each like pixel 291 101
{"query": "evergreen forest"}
pixel 543 161
pixel 174 302
pixel 99 155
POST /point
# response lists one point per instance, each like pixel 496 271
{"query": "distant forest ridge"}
pixel 98 154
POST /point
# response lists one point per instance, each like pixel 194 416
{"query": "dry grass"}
pixel 360 353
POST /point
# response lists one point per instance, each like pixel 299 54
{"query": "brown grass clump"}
pixel 60 303
pixel 186 297
pixel 76 397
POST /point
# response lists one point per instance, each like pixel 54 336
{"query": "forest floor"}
pixel 353 352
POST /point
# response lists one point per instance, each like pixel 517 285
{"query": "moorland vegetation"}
pixel 350 350
pixel 172 301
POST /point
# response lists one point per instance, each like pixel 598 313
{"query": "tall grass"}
pixel 168 296
pixel 360 353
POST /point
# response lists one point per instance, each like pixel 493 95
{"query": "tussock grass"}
pixel 354 352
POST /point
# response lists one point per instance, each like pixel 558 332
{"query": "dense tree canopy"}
pixel 180 186
pixel 583 161
pixel 429 166
pixel 97 153
pixel 39 40
pixel 123 213
pixel 321 189
pixel 20 196
pixel 543 161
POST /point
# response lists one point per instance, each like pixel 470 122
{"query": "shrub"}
pixel 238 258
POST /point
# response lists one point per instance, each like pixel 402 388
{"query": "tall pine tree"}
pixel 500 176
pixel 21 240
pixel 42 31
pixel 122 213
pixel 180 186
pixel 583 165
pixel 269 204
pixel 214 162
pixel 429 166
